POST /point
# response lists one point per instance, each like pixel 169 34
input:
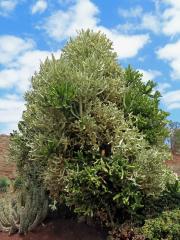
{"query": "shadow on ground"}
pixel 63 229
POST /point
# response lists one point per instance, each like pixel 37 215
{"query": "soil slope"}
pixel 6 168
pixel 60 230
pixel 175 163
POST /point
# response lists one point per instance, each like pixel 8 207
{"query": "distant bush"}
pixel 17 184
pixel 125 232
pixel 168 200
pixel 4 184
pixel 166 226
pixel 162 214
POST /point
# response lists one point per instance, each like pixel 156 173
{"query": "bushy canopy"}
pixel 92 133
pixel 142 101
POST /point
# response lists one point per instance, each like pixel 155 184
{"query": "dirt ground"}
pixel 175 164
pixel 6 168
pixel 60 230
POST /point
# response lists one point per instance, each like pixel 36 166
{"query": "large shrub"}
pixel 79 138
pixel 162 216
pixel 166 226
pixel 154 206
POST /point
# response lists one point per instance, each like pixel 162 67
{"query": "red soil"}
pixel 175 163
pixel 60 230
pixel 6 168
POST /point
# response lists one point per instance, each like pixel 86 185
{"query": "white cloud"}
pixel 18 63
pixel 150 22
pixel 136 20
pixel 149 74
pixel 19 73
pixel 6 6
pixel 174 3
pixel 126 28
pixel 153 75
pixel 147 21
pixel 64 24
pixel 39 7
pixel 172 99
pixel 164 19
pixel 131 13
pixel 8 77
pixel 171 53
pixel 8 128
pixel 170 26
pixel 167 17
pixel 19 60
pixel 66 1
pixel 171 19
pixel 11 108
pixel 11 47
pixel 126 46
pixel 162 87
pixel 83 15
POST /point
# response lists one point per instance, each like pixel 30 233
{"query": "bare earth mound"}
pixel 175 164
pixel 6 169
pixel 60 230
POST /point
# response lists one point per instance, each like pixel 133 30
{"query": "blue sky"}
pixel 145 34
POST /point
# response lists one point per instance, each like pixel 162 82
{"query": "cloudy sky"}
pixel 146 34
